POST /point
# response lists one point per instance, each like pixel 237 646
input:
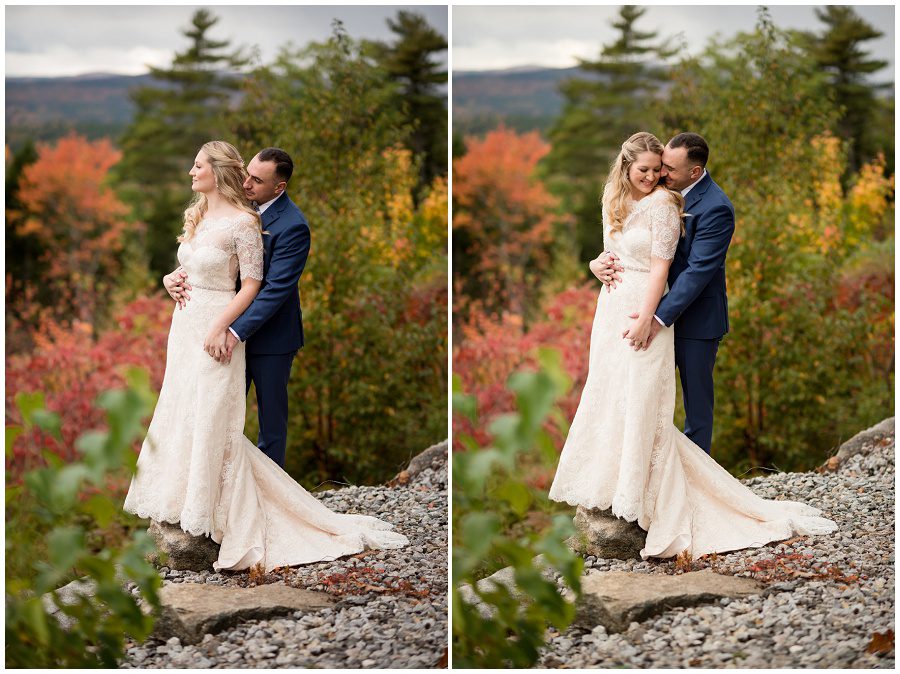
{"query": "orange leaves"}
pixel 75 218
pixel 881 643
pixel 505 216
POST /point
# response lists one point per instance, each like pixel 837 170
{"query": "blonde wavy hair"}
pixel 228 169
pixel 616 199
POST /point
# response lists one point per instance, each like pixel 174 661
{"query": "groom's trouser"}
pixel 270 374
pixel 695 360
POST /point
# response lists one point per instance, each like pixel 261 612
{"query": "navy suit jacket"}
pixel 696 302
pixel 273 323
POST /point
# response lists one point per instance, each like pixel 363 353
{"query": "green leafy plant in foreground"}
pixel 488 497
pixel 66 497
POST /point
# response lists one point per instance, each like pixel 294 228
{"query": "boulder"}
pixel 603 535
pixel 861 443
pixel 434 457
pixel 183 551
pixel 192 610
pixel 615 599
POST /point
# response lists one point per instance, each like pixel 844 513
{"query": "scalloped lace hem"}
pixel 157 516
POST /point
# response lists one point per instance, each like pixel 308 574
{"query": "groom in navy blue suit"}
pixel 696 302
pixel 272 326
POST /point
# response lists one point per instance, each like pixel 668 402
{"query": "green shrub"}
pixel 67 501
pixel 489 497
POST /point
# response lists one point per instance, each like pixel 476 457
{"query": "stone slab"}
pixel 192 610
pixel 615 599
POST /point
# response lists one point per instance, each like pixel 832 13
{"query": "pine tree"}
pixel 839 52
pixel 617 97
pixel 172 121
pixel 410 62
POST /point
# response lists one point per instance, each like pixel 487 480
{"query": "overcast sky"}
pixel 489 38
pixel 73 40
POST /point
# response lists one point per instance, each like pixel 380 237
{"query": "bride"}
pixel 623 450
pixel 196 467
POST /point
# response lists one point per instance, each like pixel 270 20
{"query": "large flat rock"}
pixel 191 610
pixel 615 599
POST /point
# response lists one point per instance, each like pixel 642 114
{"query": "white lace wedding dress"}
pixel 624 451
pixel 196 466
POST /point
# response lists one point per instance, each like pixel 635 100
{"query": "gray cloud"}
pixel 71 40
pixel 487 38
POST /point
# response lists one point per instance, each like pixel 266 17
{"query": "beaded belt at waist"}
pixel 214 290
pixel 635 268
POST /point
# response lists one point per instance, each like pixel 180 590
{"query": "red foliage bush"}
pixel 490 351
pixel 71 366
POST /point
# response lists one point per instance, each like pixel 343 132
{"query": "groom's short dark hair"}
pixel 697 149
pixel 284 165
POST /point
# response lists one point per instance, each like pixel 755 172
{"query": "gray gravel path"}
pixel 827 596
pixel 392 609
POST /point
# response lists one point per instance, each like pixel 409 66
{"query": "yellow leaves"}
pixel 870 197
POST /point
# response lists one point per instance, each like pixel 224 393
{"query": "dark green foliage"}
pixel 489 496
pixel 839 51
pixel 410 62
pixel 618 95
pixel 368 390
pixel 24 268
pixel 793 377
pixel 172 121
pixel 64 502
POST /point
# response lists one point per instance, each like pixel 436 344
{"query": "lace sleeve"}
pixel 607 238
pixel 665 229
pixel 248 246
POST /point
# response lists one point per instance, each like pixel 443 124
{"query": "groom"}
pixel 696 302
pixel 272 326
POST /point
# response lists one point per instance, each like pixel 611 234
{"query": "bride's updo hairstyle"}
pixel 617 191
pixel 230 174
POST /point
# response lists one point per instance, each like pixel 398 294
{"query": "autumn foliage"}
pixel 503 222
pixel 77 223
pixel 71 365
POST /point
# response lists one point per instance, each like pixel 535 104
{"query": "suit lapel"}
pixel 697 192
pixel 274 211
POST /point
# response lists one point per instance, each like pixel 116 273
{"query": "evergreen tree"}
pixel 374 289
pixel 172 121
pixel 617 97
pixel 838 50
pixel 24 267
pixel 410 62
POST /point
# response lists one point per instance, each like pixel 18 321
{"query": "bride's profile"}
pixel 623 450
pixel 196 468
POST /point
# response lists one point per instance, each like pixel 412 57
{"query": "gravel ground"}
pixel 392 609
pixel 827 596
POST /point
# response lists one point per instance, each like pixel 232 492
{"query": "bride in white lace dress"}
pixel 623 450
pixel 196 467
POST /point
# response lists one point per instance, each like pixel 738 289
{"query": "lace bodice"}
pixel 220 249
pixel 652 228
